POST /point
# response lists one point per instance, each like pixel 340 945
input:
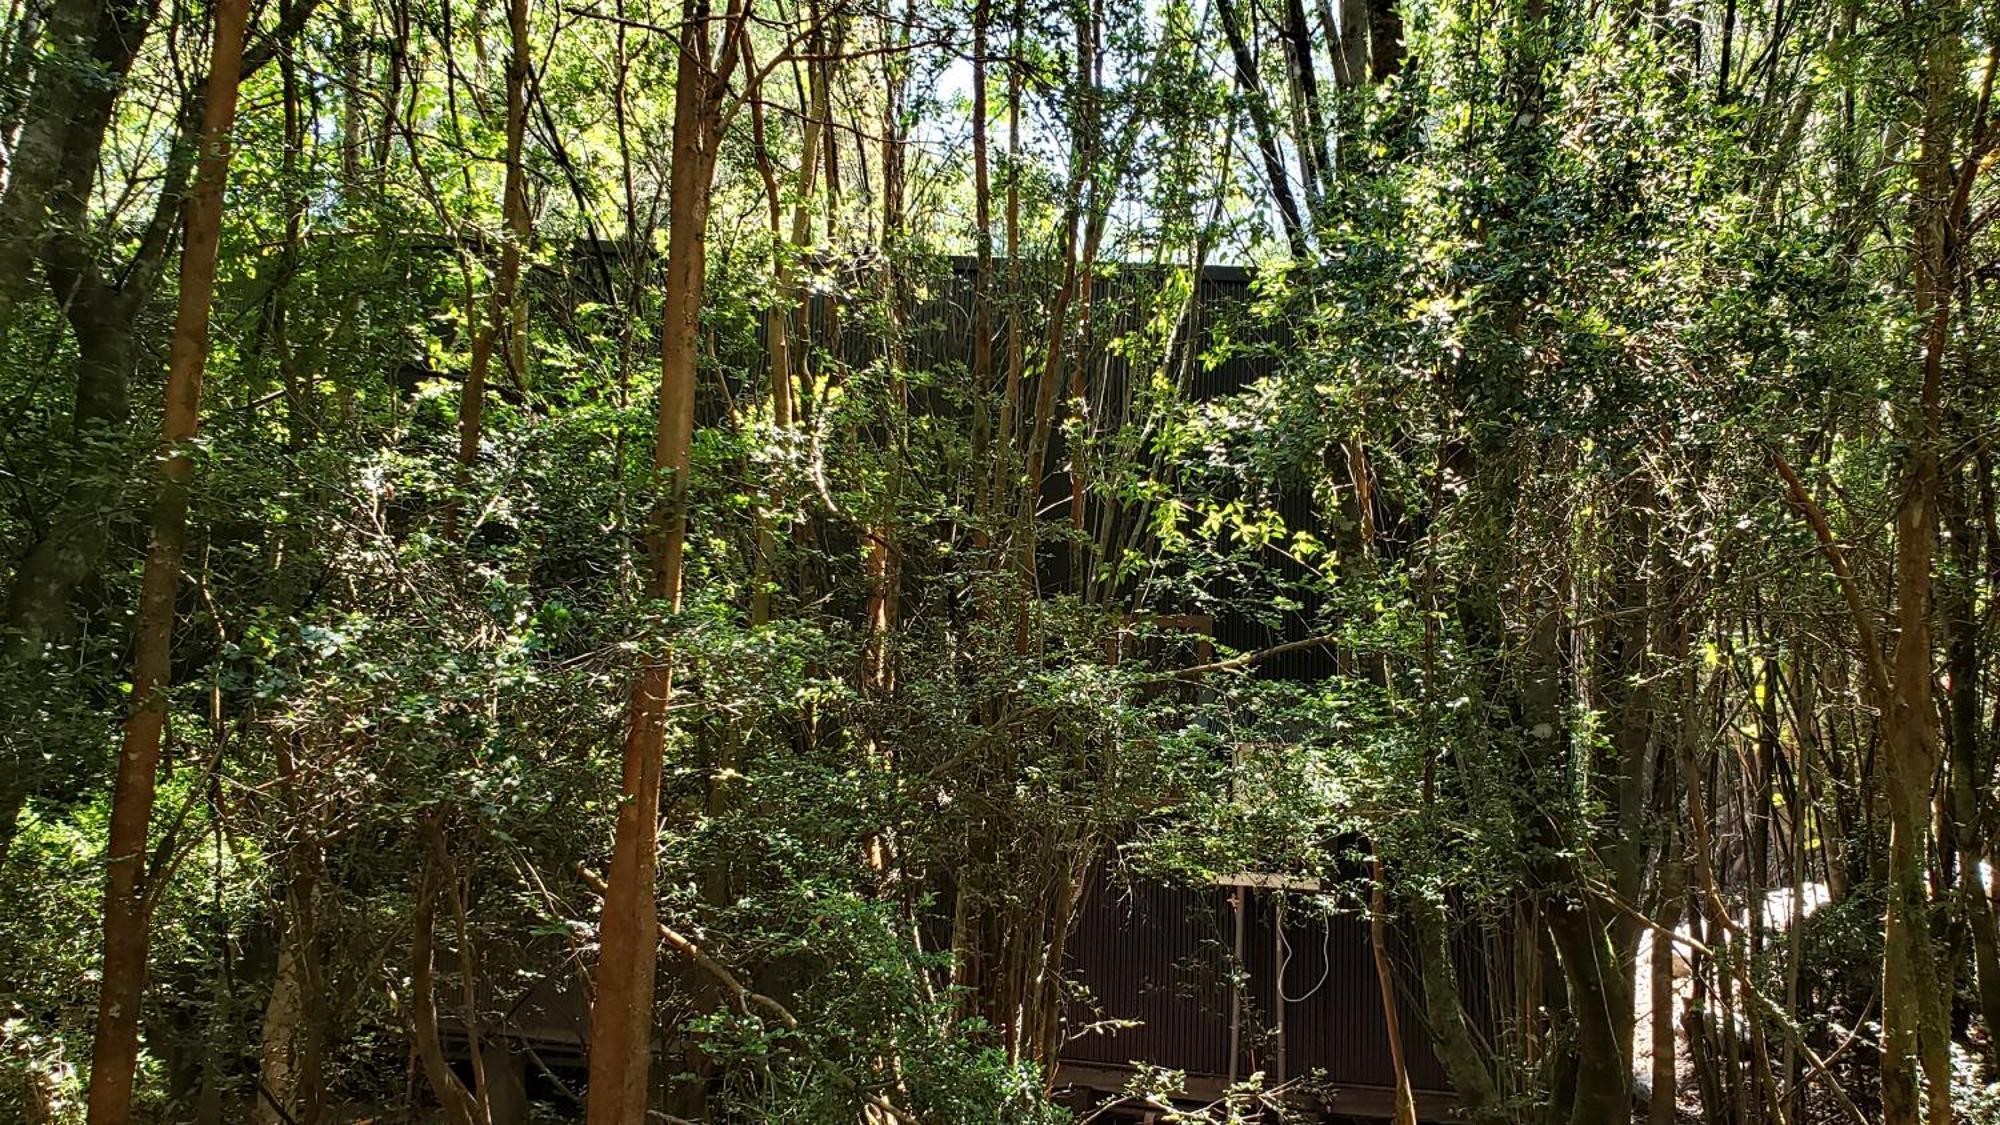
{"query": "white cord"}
pixel 1285 960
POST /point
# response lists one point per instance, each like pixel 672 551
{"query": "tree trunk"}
pixel 1265 130
pixel 1598 993
pixel 1914 1031
pixel 287 1024
pixel 1385 39
pixel 55 165
pixel 1451 1036
pixel 103 317
pixel 1958 611
pixel 460 1106
pixel 1350 49
pixel 1385 982
pixel 1660 1109
pixel 128 895
pixel 997 445
pixel 505 326
pixel 783 307
pixel 621 1017
pixel 90 48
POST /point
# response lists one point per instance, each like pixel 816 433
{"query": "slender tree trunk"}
pixel 784 307
pixel 504 325
pixel 1259 109
pixel 881 566
pixel 1308 120
pixel 1661 1106
pixel 1963 659
pixel 1017 337
pixel 1622 779
pixel 459 1105
pixel 1047 991
pixel 128 895
pixel 995 446
pixel 1385 982
pixel 1914 1032
pixel 290 1057
pixel 621 1017
pixel 281 1077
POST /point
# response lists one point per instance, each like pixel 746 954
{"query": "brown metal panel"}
pixel 1160 956
pixel 1333 1001
pixel 1156 955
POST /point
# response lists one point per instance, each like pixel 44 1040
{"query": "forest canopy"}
pixel 1028 561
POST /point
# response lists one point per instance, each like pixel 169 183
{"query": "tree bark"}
pixel 1969 803
pixel 287 1024
pixel 621 1017
pixel 1385 982
pixel 460 1106
pixel 128 895
pixel 1385 39
pixel 91 47
pixel 998 444
pixel 1914 1032
pixel 1350 47
pixel 505 326
pixel 1451 1035
pixel 784 307
pixel 1598 993
pixel 1661 1107
pixel 1259 108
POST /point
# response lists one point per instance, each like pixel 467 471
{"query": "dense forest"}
pixel 673 561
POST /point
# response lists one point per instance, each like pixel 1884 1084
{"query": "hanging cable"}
pixel 1285 960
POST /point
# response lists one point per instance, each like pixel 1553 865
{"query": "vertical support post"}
pixel 1278 982
pixel 1238 904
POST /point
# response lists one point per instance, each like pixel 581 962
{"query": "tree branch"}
pixel 1250 659
pixel 745 997
pixel 1864 624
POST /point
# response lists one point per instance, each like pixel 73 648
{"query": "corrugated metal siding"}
pixel 1333 1011
pixel 1158 955
pixel 1162 956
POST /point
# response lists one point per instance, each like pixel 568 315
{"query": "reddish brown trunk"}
pixel 127 898
pixel 1385 979
pixel 621 1016
pixel 1017 353
pixel 982 278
